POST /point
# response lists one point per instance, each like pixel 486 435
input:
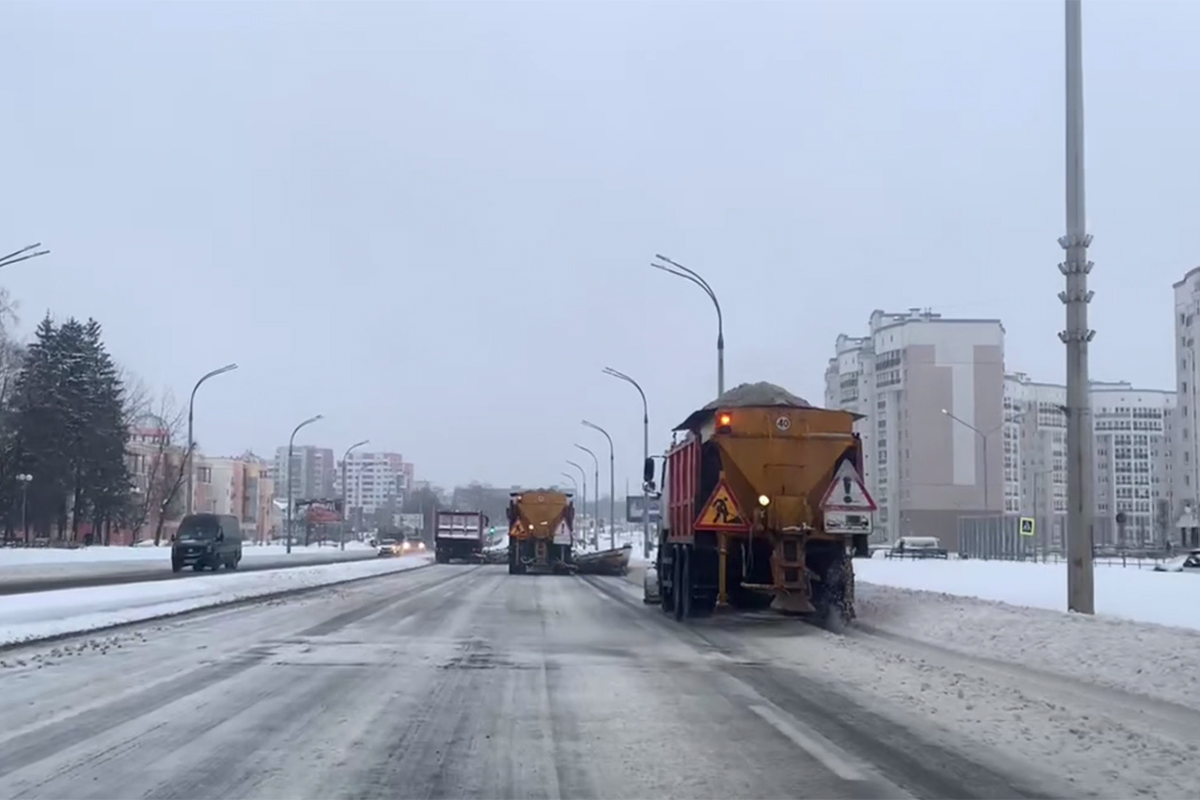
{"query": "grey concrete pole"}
pixel 190 441
pixel 1077 335
pixel 291 446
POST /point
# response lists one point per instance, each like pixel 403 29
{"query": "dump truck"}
pixel 763 501
pixel 459 534
pixel 540 531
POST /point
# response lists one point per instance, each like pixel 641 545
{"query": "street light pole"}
pixel 680 271
pixel 612 486
pixel 291 444
pixel 645 455
pixel 345 488
pixel 25 478
pixel 583 476
pixel 983 437
pixel 190 441
pixel 1077 334
pixel 596 499
pixel 571 478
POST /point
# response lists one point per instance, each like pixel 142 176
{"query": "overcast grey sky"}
pixel 433 223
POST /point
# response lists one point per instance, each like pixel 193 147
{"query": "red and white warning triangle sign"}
pixel 847 492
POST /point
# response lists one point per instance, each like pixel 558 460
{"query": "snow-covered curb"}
pixel 20 556
pixel 1143 659
pixel 44 615
pixel 1163 598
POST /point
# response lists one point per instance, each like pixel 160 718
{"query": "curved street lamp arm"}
pixel 688 277
pixel 963 422
pixel 594 426
pixel 699 278
pixel 354 446
pixel 695 278
pixel 22 255
pixel 622 376
pixel 308 421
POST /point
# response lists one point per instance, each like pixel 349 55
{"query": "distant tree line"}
pixel 64 430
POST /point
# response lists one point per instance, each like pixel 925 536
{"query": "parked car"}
pixel 917 547
pixel 1188 562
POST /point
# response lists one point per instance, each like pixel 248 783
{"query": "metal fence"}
pixel 994 537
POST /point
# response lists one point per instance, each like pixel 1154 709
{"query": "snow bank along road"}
pixel 106 566
pixel 464 681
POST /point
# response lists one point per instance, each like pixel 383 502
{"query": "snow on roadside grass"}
pixel 1163 598
pixel 1151 660
pixel 27 617
pixel 17 556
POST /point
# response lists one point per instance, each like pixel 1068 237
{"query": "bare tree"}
pixel 139 400
pixel 11 351
pixel 159 460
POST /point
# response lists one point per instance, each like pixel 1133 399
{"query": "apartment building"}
pixel 931 390
pixel 374 481
pixel 313 473
pixel 241 486
pixel 1186 484
pixel 1133 459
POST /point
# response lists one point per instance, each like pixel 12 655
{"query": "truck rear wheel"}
pixel 666 580
pixel 683 582
pixel 833 594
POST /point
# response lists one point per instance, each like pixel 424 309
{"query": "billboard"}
pixel 413 522
pixel 633 509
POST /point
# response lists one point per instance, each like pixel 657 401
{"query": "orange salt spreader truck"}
pixel 763 502
pixel 540 531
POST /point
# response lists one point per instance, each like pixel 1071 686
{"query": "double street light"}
pixel 291 444
pixel 612 485
pixel 345 487
pixel 645 454
pixel 24 254
pixel 680 271
pixel 191 444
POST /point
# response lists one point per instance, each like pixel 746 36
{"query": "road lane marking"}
pixel 832 761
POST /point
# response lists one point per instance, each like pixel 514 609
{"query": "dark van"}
pixel 207 540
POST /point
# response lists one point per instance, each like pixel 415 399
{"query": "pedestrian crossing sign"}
pixel 1027 526
pixel 721 513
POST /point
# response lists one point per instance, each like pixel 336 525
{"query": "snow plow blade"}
pixel 606 562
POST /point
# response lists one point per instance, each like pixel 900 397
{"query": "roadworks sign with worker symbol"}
pixel 1028 526
pixel 722 512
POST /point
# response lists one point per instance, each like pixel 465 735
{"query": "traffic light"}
pixel 492 530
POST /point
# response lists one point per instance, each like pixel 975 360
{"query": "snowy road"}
pixel 45 577
pixel 461 681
